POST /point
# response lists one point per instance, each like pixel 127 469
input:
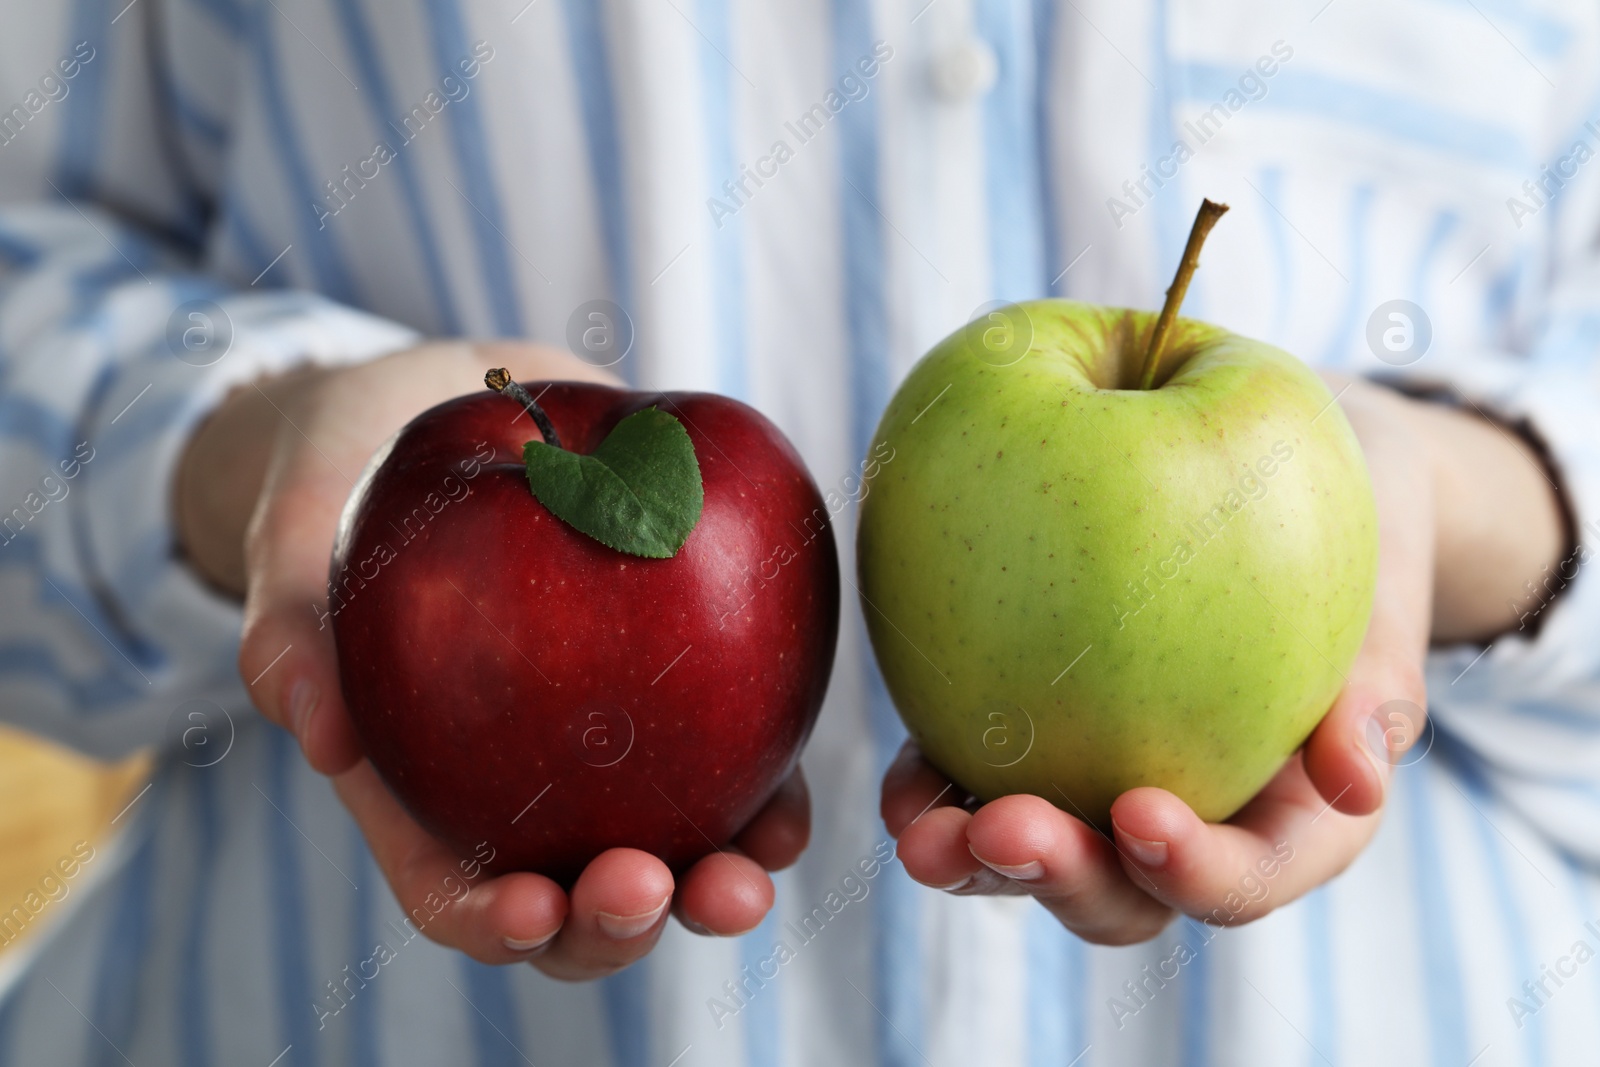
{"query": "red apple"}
pixel 517 682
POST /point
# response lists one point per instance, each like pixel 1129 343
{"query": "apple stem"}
pixel 1207 217
pixel 499 379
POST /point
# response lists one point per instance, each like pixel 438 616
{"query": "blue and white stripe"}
pixel 578 165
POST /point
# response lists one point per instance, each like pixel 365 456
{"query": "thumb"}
pixel 286 654
pixel 1380 712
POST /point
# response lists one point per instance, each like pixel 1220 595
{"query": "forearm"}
pixel 1500 522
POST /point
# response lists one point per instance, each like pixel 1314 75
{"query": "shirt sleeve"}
pixel 1522 713
pixel 115 341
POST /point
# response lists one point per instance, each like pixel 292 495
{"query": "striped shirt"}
pixel 791 202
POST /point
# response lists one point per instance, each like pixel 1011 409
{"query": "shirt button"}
pixel 965 70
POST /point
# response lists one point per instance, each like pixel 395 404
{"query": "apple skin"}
pixel 998 551
pixel 496 655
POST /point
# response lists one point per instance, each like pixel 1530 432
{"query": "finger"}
pixel 781 830
pixel 1286 842
pixel 1379 713
pixel 618 908
pixel 1068 866
pixel 1377 717
pixel 286 653
pixel 934 851
pixel 495 920
pixel 912 788
pixel 725 894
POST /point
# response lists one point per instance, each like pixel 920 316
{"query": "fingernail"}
pixel 1022 872
pixel 302 702
pixel 1145 853
pixel 697 928
pixel 624 927
pixel 528 946
pixel 955 886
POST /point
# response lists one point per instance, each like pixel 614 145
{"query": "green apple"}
pixel 1075 586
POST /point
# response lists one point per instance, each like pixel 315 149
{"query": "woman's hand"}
pixel 1427 464
pixel 258 497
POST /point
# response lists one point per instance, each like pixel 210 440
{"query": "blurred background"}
pixel 50 799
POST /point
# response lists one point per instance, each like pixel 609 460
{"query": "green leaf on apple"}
pixel 639 492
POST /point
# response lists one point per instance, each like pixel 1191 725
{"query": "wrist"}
pixel 1500 520
pixel 220 476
